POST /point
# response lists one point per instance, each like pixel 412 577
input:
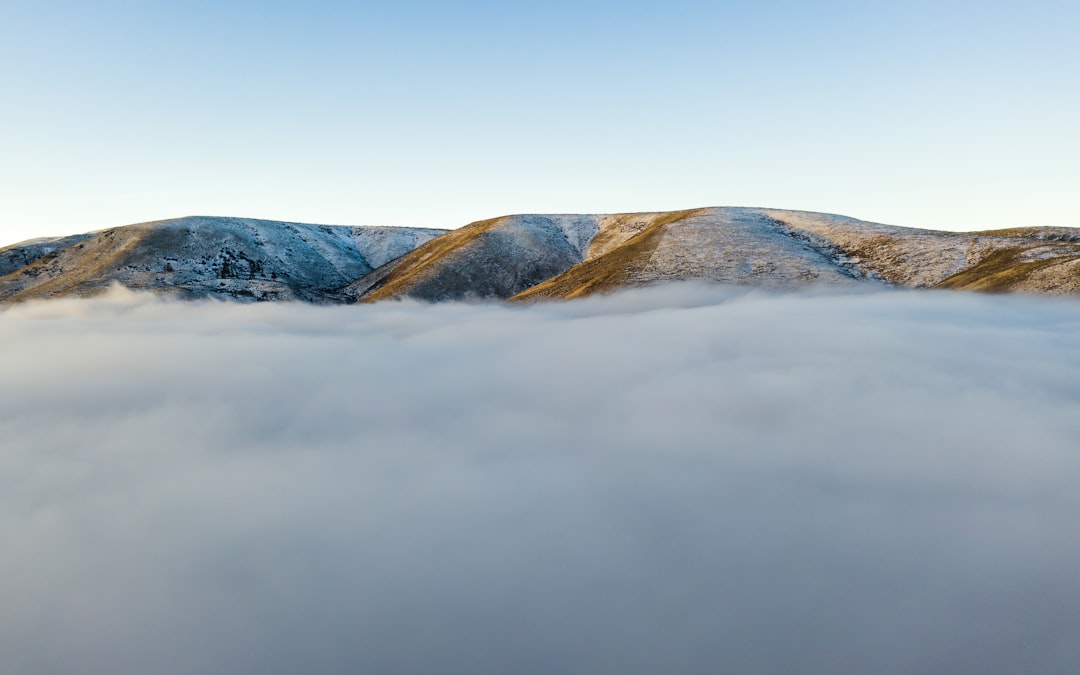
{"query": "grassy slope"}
pixel 610 270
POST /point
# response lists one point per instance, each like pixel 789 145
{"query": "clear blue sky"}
pixel 958 115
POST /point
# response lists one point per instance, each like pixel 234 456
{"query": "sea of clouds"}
pixel 682 479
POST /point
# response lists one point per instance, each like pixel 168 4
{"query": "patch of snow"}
pixel 1046 253
pixel 380 245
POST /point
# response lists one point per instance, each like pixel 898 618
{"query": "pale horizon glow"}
pixel 948 115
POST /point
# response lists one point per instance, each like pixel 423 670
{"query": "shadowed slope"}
pixel 213 257
pixel 611 269
pixel 18 256
pixel 487 259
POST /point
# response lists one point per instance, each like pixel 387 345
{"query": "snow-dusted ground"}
pixel 738 246
pixel 488 259
pixel 17 256
pixel 201 256
pixel 536 256
pixel 924 258
pixel 773 248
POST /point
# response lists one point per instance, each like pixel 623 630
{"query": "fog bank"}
pixel 682 480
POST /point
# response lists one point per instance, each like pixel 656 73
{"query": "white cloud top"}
pixel 680 479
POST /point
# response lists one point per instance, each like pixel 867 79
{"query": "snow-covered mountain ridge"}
pixel 578 255
pixel 202 256
pixel 533 257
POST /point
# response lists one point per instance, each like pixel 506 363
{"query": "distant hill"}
pixel 200 257
pixel 535 257
pixel 527 258
pixel 789 249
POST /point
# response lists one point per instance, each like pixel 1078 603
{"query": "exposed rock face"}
pixel 534 257
pixel 200 257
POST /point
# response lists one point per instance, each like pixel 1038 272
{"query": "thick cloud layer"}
pixel 678 480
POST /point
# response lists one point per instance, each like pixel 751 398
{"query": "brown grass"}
pixel 1000 272
pixel 611 270
pixel 104 251
pixel 395 277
